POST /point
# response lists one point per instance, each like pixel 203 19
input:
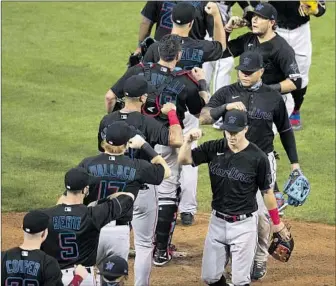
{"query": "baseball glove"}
pixel 308 8
pixel 281 247
pixel 135 59
pixel 297 188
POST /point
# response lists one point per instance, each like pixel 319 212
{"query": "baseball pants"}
pixel 264 223
pixel 224 239
pixel 113 240
pixel 300 40
pixel 189 175
pixel 90 280
pixel 144 221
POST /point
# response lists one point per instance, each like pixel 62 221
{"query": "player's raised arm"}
pixel 218 32
pixel 185 156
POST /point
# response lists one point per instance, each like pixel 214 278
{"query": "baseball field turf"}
pixel 58 60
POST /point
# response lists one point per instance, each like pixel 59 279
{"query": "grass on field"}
pixel 58 60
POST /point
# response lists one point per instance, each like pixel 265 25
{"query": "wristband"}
pixel 202 85
pixel 149 150
pixel 217 112
pixel 274 214
pixel 275 86
pixel 76 281
pixel 172 118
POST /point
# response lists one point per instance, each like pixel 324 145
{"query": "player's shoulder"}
pixel 186 77
pixel 280 44
pixel 256 152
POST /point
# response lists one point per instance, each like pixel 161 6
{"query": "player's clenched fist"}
pixel 212 9
pixel 193 135
pixel 236 105
pixel 198 74
pixel 136 142
pixel 168 107
pixel 235 22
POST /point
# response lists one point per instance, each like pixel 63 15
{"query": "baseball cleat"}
pixel 187 218
pixel 218 124
pixel 161 257
pixel 259 270
pixel 295 120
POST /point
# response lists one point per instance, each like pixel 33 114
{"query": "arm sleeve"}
pixel 150 11
pixel 110 210
pixel 52 273
pixel 205 152
pixel 150 54
pixel 156 132
pixel 287 62
pixel 213 50
pixel 264 176
pixel 152 174
pixel 194 102
pixel 118 87
pixel 235 47
pixel 217 99
pixel 281 119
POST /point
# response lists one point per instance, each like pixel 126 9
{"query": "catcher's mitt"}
pixel 308 8
pixel 297 188
pixel 135 59
pixel 281 248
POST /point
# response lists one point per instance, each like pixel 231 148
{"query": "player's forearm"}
pixel 145 28
pixel 175 136
pixel 272 206
pixel 205 117
pixel 184 156
pixel 219 32
pixel 204 95
pixel 110 100
pixel 289 144
pixel 159 160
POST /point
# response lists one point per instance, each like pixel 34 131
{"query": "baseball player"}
pixel 74 228
pixel 145 211
pixel 264 106
pixel 188 93
pixel 281 69
pixel 294 27
pixel 237 168
pixel 113 271
pixel 194 53
pixel 27 264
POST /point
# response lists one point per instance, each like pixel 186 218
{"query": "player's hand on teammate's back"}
pixel 117 194
pixel 136 142
pixel 212 9
pixel 168 107
pixel 282 230
pixel 198 74
pixel 81 271
pixel 236 105
pixel 193 135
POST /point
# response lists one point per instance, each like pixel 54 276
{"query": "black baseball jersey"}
pixel 119 174
pixel 278 56
pixel 234 177
pixel 153 131
pixel 160 12
pixel 265 107
pixel 74 230
pixel 29 268
pixel 194 53
pixel 182 90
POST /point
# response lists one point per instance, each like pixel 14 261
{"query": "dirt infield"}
pixel 312 263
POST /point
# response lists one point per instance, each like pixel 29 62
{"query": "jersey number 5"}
pixel 12 281
pixel 67 242
pixel 166 20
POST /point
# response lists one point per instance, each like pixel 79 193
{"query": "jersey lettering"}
pixel 107 188
pixel 232 173
pixel 67 222
pixel 67 242
pixel 22 266
pixel 166 13
pixel 111 170
pixel 194 55
pixel 13 281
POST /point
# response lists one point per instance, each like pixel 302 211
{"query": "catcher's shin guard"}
pixel 166 222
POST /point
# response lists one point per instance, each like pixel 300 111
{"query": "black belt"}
pixel 231 218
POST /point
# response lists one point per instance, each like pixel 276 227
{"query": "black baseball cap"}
pixel 250 62
pixel 264 10
pixel 113 267
pixel 35 222
pixel 77 179
pixel 234 120
pixel 118 133
pixel 183 13
pixel 135 86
